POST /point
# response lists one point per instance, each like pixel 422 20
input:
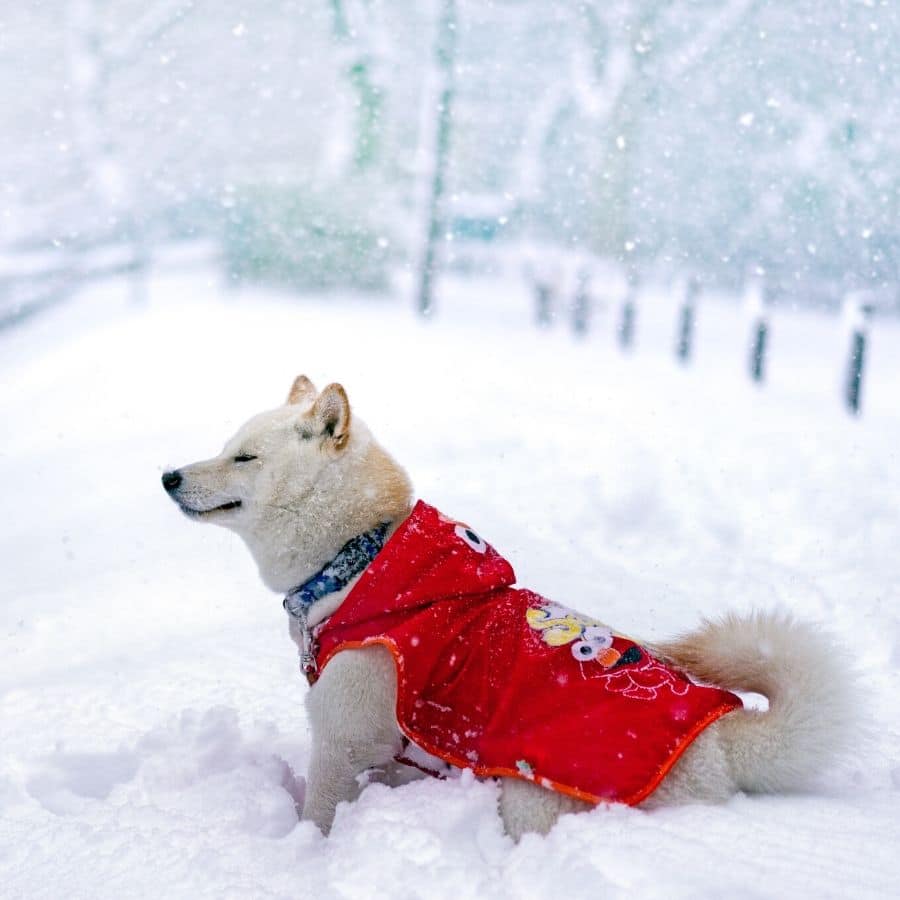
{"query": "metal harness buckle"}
pixel 307 646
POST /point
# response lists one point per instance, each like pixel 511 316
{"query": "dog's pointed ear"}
pixel 331 413
pixel 302 390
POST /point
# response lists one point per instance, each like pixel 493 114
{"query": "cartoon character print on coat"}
pixel 590 639
pixel 469 537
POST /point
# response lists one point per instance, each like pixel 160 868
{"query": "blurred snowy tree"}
pixel 95 55
pixel 720 138
pixel 442 103
pixel 356 32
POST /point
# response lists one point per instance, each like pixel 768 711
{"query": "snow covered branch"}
pixel 730 17
pixel 601 63
pixel 159 19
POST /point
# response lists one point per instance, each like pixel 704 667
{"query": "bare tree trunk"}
pixel 445 55
pixel 357 64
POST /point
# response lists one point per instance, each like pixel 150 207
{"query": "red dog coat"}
pixel 504 682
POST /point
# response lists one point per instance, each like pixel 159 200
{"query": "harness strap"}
pixel 406 761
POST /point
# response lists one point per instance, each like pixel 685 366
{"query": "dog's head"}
pixel 274 457
pixel 293 482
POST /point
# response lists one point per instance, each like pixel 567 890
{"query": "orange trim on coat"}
pixel 492 771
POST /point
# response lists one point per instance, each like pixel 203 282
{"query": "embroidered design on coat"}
pixel 644 682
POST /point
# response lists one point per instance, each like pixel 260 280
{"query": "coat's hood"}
pixel 453 561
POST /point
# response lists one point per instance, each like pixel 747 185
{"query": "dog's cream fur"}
pixel 318 478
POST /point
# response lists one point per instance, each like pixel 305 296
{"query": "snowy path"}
pixel 151 714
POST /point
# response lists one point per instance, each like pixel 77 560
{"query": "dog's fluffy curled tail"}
pixel 812 712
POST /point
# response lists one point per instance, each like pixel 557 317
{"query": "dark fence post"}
pixel 543 272
pixel 859 319
pixel 761 332
pixel 581 303
pixel 140 264
pixel 758 348
pixel 628 314
pixel 543 295
pixel 685 344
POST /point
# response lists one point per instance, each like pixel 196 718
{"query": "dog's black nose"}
pixel 171 480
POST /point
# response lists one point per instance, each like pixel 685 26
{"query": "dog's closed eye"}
pixel 244 457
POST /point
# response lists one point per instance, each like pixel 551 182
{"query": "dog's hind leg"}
pixel 525 807
pixel 352 713
pixel 701 775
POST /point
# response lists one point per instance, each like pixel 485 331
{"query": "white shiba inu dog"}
pixel 299 482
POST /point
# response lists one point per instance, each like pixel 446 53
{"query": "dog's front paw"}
pixel 320 813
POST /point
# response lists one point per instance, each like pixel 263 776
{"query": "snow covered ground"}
pixel 152 733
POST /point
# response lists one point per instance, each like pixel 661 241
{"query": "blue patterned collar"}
pixel 350 561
